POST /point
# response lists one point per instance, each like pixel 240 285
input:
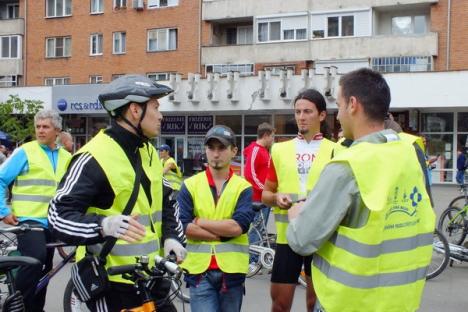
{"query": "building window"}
pixel 402 64
pixel 158 76
pixel 163 39
pixel 12 10
pixel 97 7
pixel 120 4
pixel 95 42
pixel 58 47
pixel 239 35
pixel 8 81
pixel 94 79
pixel 276 70
pixel 406 25
pixel 154 4
pixel 340 26
pixel 120 39
pixel 115 76
pixel 269 31
pixel 243 69
pixel 56 81
pixel 58 8
pixel 10 47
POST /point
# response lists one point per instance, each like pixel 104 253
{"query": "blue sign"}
pixel 173 125
pixel 62 105
pixel 199 124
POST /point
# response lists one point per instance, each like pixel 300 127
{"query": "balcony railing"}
pixel 11 26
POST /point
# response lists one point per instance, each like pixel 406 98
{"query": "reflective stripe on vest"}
pixel 231 256
pixel 284 158
pixel 33 190
pixel 121 176
pixel 381 265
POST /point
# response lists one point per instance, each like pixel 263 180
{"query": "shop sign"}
pixel 199 124
pixel 173 125
pixel 77 99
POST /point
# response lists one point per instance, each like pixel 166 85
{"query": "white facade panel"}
pixel 43 94
pixel 362 23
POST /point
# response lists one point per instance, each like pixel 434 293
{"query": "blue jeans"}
pixel 460 177
pixel 211 295
pixel 253 236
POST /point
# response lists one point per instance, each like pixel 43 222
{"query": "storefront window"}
pixel 76 125
pixel 463 122
pixel 285 125
pixel 437 122
pixel 251 123
pixel 441 146
pixel 232 121
pixel 95 124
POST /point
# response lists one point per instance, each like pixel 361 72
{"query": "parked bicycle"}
pixel 440 255
pixel 143 276
pixel 11 263
pixel 453 222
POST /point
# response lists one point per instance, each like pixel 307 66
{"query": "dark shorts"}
pixel 288 265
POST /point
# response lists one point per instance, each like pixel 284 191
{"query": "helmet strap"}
pixel 138 129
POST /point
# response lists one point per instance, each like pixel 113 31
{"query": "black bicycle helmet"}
pixel 130 88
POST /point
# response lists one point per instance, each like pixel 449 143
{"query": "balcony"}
pixel 231 9
pixel 326 5
pixel 322 49
pixel 11 67
pixel 11 26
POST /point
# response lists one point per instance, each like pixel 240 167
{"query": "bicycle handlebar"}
pixel 122 269
pixel 167 266
pixel 23 228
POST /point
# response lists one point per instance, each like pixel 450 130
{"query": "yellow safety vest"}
pixel 175 178
pixel 121 175
pixel 381 266
pixel 33 190
pixel 409 138
pixel 232 256
pixel 284 160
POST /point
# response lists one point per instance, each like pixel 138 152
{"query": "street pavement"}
pixel 447 292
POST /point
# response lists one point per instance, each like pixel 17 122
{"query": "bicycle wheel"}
pixel 440 255
pixel 181 291
pixel 459 202
pixel 71 303
pixel 64 251
pixel 453 228
pixel 255 265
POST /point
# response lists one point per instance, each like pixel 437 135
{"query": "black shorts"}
pixel 288 265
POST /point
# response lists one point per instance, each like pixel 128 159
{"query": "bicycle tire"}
pixel 254 267
pixel 181 292
pixel 435 268
pixel 458 202
pixel 453 226
pixel 64 251
pixel 71 303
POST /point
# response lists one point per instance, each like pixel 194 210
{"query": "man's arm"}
pixel 270 195
pixel 335 194
pixel 9 170
pixel 171 224
pixel 84 185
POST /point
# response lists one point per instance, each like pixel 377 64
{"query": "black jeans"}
pixel 123 296
pixel 33 244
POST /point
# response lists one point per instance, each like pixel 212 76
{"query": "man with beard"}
pixel 216 212
pixel 296 165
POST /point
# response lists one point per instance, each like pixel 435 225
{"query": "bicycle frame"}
pixel 43 282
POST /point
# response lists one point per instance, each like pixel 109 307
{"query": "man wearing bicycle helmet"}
pixel 100 178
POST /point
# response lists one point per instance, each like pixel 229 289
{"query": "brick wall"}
pixel 81 25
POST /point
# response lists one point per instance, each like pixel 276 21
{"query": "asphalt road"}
pixel 447 292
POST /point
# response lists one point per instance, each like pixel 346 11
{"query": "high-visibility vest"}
pixel 381 266
pixel 409 138
pixel 232 256
pixel 175 178
pixel 121 176
pixel 33 190
pixel 284 159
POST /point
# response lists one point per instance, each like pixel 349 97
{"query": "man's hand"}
pixel 10 219
pixel 173 245
pixel 123 227
pixel 283 201
pixel 294 211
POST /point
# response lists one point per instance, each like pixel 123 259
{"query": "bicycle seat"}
pixel 257 206
pixel 9 263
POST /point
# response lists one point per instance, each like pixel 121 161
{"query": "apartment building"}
pixel 11 41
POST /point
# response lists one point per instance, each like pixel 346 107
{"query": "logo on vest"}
pixel 404 203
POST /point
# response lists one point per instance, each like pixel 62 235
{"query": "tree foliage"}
pixel 17 117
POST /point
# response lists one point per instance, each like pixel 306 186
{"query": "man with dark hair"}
pixel 257 159
pixel 369 220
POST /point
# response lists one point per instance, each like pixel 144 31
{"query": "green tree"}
pixel 17 117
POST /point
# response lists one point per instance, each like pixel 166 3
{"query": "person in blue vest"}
pixel 35 168
pixel 216 212
pixel 88 205
pixel 369 221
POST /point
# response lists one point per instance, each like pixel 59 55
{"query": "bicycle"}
pixel 440 255
pixel 144 279
pixel 453 222
pixel 9 248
